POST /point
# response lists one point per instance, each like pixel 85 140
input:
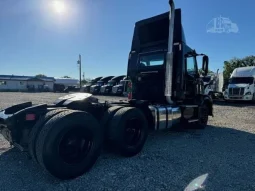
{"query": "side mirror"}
pixel 205 65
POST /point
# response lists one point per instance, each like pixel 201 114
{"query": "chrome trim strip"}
pixel 154 115
pixel 149 72
pixel 162 117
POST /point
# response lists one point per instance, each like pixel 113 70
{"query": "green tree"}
pixel 40 76
pixel 66 77
pixel 234 63
pixel 85 81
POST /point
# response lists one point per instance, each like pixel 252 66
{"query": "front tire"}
pixel 69 144
pixel 128 131
pixel 253 98
pixel 203 115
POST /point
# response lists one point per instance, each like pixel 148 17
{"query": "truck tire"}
pixel 69 144
pixel 128 131
pixel 211 94
pixel 203 117
pixel 202 120
pixel 253 98
pixel 37 128
pixel 107 117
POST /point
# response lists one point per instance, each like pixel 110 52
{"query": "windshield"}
pixel 147 60
pixel 242 80
pixel 122 82
pixel 100 83
pixel 111 83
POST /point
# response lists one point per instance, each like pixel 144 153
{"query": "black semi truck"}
pixel 107 89
pixel 86 88
pixel 95 89
pixel 121 88
pixel 66 138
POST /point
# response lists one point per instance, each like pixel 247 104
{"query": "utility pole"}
pixel 79 63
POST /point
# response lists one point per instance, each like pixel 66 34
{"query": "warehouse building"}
pixel 25 83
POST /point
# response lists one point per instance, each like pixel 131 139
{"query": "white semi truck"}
pixel 241 84
pixel 213 85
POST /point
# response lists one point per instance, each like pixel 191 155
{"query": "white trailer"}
pixel 67 81
pixel 241 84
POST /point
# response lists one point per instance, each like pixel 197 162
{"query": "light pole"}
pixel 79 63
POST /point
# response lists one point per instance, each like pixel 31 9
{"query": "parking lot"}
pixel 169 161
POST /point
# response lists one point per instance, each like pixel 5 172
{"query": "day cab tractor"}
pixel 66 138
pixel 107 88
pixel 86 88
pixel 95 89
pixel 121 88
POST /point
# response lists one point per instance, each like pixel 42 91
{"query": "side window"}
pixel 3 83
pixel 152 60
pixel 191 65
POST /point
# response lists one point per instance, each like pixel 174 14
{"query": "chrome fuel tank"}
pixel 165 117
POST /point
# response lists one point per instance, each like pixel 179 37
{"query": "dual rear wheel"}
pixel 67 143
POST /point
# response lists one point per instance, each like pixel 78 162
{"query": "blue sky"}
pixel 35 39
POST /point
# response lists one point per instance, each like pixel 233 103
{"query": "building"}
pixel 25 83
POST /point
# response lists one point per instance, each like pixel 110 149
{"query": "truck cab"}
pixel 95 89
pixel 107 89
pixel 147 66
pixel 241 84
pixel 120 88
pixel 86 88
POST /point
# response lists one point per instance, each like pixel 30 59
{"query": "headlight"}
pixel 248 93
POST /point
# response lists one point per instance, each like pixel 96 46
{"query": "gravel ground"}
pixel 169 161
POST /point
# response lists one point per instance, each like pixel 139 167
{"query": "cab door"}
pixel 192 82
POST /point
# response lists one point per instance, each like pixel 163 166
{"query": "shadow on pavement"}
pixel 234 103
pixel 169 161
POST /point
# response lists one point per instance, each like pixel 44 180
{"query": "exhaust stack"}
pixel 169 59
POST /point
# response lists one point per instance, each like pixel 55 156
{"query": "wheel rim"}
pixel 75 146
pixel 133 131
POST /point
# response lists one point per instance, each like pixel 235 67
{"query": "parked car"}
pixel 72 89
pixel 58 88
